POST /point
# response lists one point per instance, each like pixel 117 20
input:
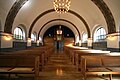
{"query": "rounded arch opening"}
pixel 55 22
pixel 18 5
pixel 52 10
pixel 50 37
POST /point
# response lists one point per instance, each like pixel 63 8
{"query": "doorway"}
pixel 59 45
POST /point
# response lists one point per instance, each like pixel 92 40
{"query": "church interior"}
pixel 59 39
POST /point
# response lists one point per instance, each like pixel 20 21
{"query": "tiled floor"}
pixel 59 67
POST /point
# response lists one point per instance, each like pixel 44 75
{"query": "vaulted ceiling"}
pixel 39 15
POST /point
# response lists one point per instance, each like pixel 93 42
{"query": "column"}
pixel 89 42
pixel 77 40
pixel 80 42
pixel 29 42
pixel 38 42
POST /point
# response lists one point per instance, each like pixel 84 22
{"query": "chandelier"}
pixel 61 6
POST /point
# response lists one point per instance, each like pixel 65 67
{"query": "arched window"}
pixel 100 34
pixel 18 33
pixel 33 37
pixel 84 37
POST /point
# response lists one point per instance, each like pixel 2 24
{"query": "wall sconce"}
pixel 89 40
pixel 7 37
pixel 112 36
pixel 29 40
pixel 38 41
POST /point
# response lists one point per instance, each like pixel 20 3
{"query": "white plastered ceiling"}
pixel 85 8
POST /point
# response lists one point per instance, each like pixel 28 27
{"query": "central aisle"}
pixel 59 67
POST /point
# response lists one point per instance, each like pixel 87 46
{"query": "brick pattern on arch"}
pixel 59 20
pixel 107 14
pixel 100 4
pixel 52 10
pixel 12 14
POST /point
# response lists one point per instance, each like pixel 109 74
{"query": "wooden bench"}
pixel 19 64
pixel 78 58
pixel 39 51
pixel 70 49
pixel 48 50
pixel 100 65
pixel 78 53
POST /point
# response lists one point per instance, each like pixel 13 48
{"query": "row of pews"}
pixel 29 61
pixel 90 61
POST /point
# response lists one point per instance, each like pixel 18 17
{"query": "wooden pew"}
pixel 29 52
pixel 75 54
pixel 46 53
pixel 79 53
pixel 77 59
pixel 19 64
pixel 70 49
pixel 48 50
pixel 43 54
pixel 103 64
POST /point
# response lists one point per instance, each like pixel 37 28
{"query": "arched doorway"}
pixel 58 35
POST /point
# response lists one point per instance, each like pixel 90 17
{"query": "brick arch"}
pixel 99 3
pixel 12 14
pixel 52 10
pixel 59 20
pixel 107 14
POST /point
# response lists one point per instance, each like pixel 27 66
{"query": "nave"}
pixel 59 67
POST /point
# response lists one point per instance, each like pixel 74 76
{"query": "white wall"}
pixel 6 40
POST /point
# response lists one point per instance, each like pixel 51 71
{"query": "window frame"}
pixel 99 34
pixel 18 33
